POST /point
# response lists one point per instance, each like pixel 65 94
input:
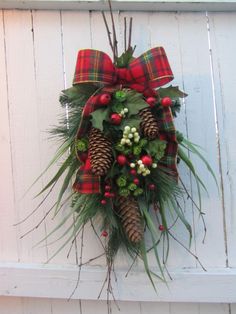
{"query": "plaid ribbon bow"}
pixel 148 71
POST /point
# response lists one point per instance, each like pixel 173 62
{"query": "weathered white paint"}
pixel 37 57
pixel 56 281
pixel 122 5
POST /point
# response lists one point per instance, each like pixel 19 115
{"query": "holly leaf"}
pixel 126 57
pixel 133 122
pixel 156 148
pixel 98 116
pixel 135 102
pixel 171 91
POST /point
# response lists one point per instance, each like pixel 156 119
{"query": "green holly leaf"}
pixel 156 148
pixel 126 57
pixel 171 91
pixel 98 116
pixel 133 122
pixel 135 102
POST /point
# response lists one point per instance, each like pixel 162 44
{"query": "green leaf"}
pixel 124 60
pixel 135 102
pixel 171 91
pixel 133 122
pixel 156 148
pixel 98 116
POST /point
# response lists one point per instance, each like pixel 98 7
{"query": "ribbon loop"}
pixel 150 70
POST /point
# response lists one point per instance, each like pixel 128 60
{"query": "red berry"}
pixel 107 188
pixel 151 101
pixel 104 233
pixel 133 172
pixel 136 181
pixel 161 228
pixel 121 159
pixel 104 99
pixel 103 202
pixel 116 119
pixel 151 186
pixel 166 102
pixel 147 160
pixel 107 194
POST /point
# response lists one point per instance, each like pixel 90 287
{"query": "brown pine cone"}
pixel 131 218
pixel 100 152
pixel 148 124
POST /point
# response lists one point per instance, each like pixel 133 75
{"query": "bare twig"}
pixel 114 32
pixel 189 251
pixel 125 31
pixel 130 32
pixel 108 33
pixel 80 265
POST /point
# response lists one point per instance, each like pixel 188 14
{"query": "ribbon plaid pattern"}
pixel 148 71
pixel 168 133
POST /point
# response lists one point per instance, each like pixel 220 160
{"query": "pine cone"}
pixel 100 152
pixel 148 124
pixel 131 218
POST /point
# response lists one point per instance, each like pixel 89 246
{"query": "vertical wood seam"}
pixel 10 136
pixel 218 138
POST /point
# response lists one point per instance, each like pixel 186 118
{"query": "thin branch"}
pixel 130 32
pixel 114 32
pixel 189 251
pixel 108 33
pixel 80 265
pixel 125 31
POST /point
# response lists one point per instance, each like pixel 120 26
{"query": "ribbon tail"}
pixel 86 182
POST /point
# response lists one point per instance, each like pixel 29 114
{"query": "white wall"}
pixel 37 58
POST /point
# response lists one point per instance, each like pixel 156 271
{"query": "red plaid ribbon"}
pixel 86 182
pixel 148 71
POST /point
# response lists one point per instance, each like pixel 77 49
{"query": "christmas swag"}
pixel 121 150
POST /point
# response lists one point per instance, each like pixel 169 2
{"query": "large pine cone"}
pixel 131 218
pixel 100 152
pixel 148 124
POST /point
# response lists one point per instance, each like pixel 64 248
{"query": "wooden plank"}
pixel 24 130
pixel 222 30
pixel 9 305
pixel 130 5
pixel 56 281
pixel 201 130
pixel 49 76
pixel 9 234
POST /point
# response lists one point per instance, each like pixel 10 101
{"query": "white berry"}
pixel 130 135
pixel 132 165
pixel 141 167
pixel 148 171
pixel 127 128
pixel 133 130
pixel 136 140
pixel 140 162
pixel 126 110
pixel 139 171
pixel 154 165
pixel 127 141
pixel 122 112
pixel 123 141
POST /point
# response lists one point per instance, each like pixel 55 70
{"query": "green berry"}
pixel 132 187
pixel 138 192
pixel 121 181
pixel 124 192
pixel 120 95
pixel 82 145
